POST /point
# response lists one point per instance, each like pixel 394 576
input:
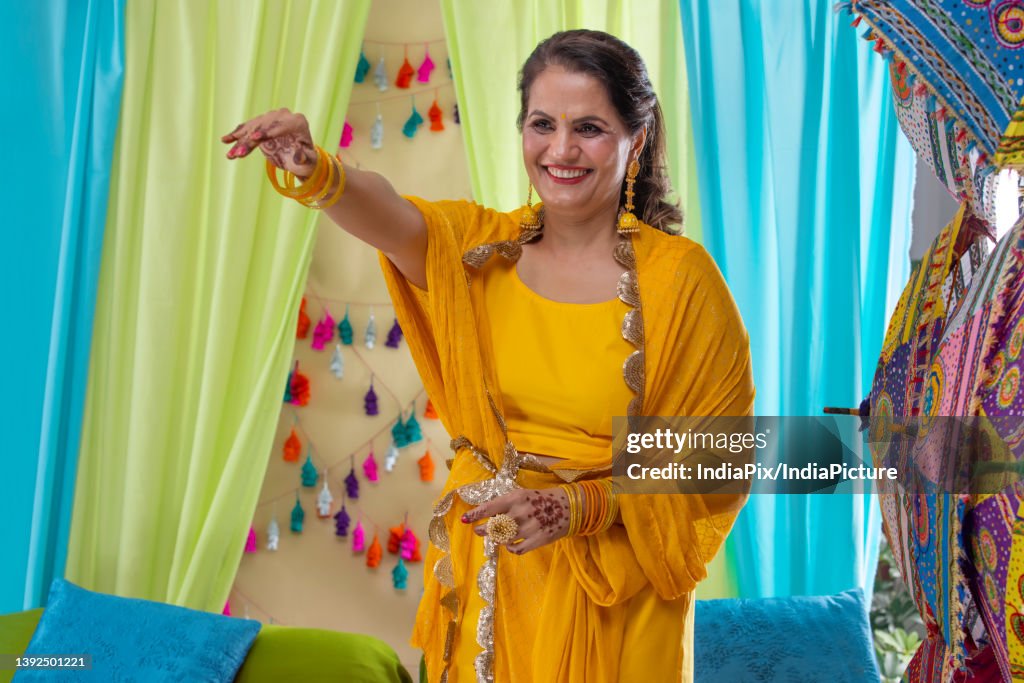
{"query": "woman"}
pixel 536 571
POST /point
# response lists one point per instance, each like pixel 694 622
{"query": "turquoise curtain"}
pixel 62 84
pixel 805 185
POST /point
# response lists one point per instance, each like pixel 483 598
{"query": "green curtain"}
pixel 488 43
pixel 202 272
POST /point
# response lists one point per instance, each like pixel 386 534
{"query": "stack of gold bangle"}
pixel 593 507
pixel 315 188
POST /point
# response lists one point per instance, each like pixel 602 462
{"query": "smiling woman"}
pixel 537 570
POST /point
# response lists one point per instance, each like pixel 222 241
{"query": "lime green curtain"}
pixel 488 43
pixel 202 271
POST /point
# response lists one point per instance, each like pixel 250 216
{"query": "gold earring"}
pixel 628 222
pixel 529 217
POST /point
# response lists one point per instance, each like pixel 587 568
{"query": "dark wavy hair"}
pixel 622 72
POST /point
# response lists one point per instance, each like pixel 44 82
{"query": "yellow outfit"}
pixel 559 367
pixel 617 606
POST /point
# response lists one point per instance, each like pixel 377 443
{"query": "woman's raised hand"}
pixel 282 136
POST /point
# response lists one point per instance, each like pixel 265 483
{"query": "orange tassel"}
pixel 435 117
pixel 299 387
pixel 303 328
pixel 426 464
pixel 374 554
pixel 405 74
pixel 395 539
pixel 429 412
pixel 292 447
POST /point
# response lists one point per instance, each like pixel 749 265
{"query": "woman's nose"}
pixel 563 144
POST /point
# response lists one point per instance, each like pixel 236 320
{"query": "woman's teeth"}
pixel 567 173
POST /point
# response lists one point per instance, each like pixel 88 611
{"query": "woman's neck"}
pixel 580 234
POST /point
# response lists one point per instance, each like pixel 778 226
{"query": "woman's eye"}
pixel 541 125
pixel 589 129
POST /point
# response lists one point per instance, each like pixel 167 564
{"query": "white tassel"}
pixel 371 332
pixel 391 458
pixel 273 534
pixel 337 362
pixel 377 133
pixel 324 500
pixel 380 76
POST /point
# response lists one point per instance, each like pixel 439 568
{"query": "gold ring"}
pixel 502 528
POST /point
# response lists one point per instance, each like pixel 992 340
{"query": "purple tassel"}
pixel 370 401
pixel 394 336
pixel 352 484
pixel 341 522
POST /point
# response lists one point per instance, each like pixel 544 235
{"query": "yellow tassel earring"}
pixel 628 222
pixel 529 217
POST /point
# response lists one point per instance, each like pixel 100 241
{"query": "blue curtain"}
pixel 63 64
pixel 806 190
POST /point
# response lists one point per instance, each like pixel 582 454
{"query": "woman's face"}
pixel 575 146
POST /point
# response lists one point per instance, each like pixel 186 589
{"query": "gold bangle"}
pixel 312 200
pixel 572 498
pixel 316 184
pixel 310 186
pixel 336 163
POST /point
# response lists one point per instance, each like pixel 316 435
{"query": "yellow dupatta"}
pixel 567 611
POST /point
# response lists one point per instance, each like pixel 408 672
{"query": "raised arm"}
pixel 369 208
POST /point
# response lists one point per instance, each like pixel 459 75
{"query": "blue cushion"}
pixel 798 639
pixel 136 640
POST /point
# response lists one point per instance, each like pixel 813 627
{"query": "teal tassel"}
pixel 398 433
pixel 288 389
pixel 309 475
pixel 412 124
pixel 413 433
pixel 362 68
pixel 345 330
pixel 400 575
pixel 298 515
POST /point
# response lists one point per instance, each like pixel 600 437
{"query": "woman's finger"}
pixel 231 137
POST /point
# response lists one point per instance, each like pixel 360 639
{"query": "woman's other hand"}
pixel 282 136
pixel 542 516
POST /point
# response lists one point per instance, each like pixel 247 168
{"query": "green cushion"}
pixel 290 653
pixel 15 633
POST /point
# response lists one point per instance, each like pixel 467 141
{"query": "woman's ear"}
pixel 638 142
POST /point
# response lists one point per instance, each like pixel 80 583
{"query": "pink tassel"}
pixel 370 467
pixel 410 546
pixel 250 542
pixel 346 135
pixel 423 73
pixel 324 331
pixel 227 609
pixel 358 538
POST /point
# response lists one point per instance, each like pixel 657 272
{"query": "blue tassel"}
pixel 362 68
pixel 298 515
pixel 412 124
pixel 309 473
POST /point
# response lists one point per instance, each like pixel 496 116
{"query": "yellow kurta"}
pixel 605 608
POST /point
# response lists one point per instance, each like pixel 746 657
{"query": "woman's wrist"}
pixel 593 507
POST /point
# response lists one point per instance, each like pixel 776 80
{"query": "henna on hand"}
pixel 549 512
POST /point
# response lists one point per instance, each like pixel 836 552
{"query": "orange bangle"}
pixel 308 188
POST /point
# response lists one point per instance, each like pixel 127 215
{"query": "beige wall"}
pixel 314 579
